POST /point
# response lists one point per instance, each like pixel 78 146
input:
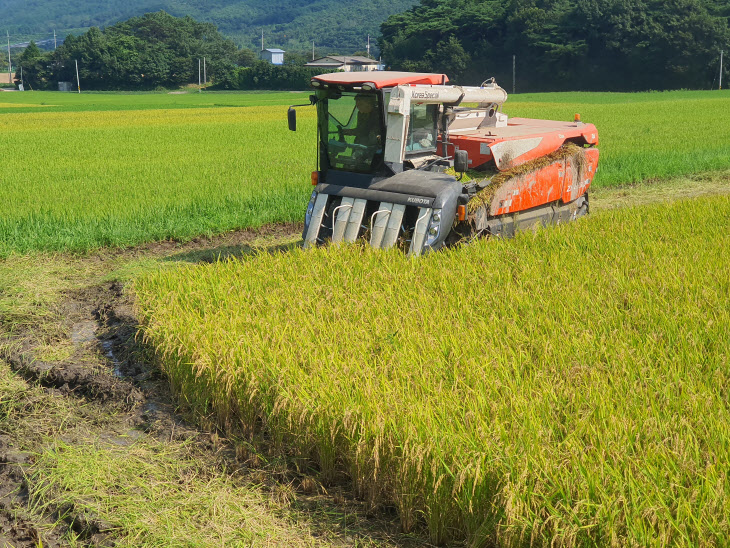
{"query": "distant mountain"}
pixel 340 26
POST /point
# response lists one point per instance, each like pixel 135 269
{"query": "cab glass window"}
pixel 422 129
pixel 351 125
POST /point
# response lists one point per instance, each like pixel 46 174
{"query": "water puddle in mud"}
pixel 83 332
pixel 108 347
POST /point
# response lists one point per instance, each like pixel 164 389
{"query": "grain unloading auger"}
pixel 387 141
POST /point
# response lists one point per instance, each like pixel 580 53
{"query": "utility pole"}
pixel 514 72
pixel 368 45
pixel 199 76
pixel 720 70
pixel 262 39
pixel 78 82
pixel 10 64
pixel 205 77
pixel 312 50
pixel 55 44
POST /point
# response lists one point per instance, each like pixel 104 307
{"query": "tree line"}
pixel 333 25
pixel 563 44
pixel 147 52
pixel 154 51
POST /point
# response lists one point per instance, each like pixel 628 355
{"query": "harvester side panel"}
pixel 392 231
pixel 581 179
pixel 529 190
pixel 419 231
pixel 563 180
pixel 354 223
pixel 314 225
pixel 342 218
pixel 379 222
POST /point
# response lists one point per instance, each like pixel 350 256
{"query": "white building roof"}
pixel 337 60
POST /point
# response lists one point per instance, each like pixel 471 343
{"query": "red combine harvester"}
pixel 388 140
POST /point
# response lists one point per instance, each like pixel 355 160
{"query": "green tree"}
pixel 146 52
pixel 449 57
pixel 34 65
pixel 246 57
pixel 296 58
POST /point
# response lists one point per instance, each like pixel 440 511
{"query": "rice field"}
pixel 568 387
pixel 644 135
pixel 83 171
pixel 121 177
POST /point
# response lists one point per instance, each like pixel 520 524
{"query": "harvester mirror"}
pixel 292 115
pixel 461 161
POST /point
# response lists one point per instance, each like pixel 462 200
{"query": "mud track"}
pixel 107 369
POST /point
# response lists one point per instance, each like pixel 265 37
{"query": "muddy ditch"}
pixel 103 370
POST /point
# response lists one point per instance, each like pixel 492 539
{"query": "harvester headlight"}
pixel 368 86
pixel 434 228
pixel 310 206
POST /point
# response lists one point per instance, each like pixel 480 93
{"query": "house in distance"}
pixel 345 63
pixel 272 55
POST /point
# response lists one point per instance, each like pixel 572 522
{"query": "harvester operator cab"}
pixel 352 124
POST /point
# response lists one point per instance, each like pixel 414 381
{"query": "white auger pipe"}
pixel 454 94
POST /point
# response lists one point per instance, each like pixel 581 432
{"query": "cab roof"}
pixel 381 78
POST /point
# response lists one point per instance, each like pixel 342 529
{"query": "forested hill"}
pixel 564 44
pixel 335 25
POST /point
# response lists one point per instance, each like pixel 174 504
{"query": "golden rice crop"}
pixel 569 386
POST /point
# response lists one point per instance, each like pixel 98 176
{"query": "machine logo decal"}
pixel 424 95
pixel 424 201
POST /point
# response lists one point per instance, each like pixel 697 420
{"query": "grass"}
pixel 45 101
pixel 30 288
pixel 90 170
pixel 134 489
pixel 568 386
pixel 123 177
pixel 147 494
pixel 29 416
pixel 657 191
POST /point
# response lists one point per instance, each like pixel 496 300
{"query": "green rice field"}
pixel 82 171
pixel 567 387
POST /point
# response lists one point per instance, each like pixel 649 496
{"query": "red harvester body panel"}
pixel 524 140
pixel 521 141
